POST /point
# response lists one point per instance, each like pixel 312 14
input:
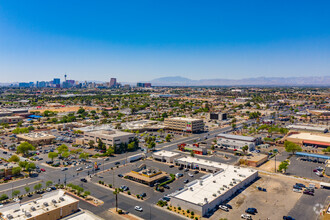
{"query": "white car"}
pixel 190 174
pixel 17 200
pixel 79 169
pixel 64 168
pixel 246 216
pixel 89 166
pixel 224 208
pixel 48 189
pixel 296 190
pixel 138 208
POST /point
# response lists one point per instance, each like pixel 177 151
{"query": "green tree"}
pixel 37 187
pixel 168 138
pixel 52 155
pixel 152 145
pixel 3 197
pixel 116 192
pixel 16 193
pixel 283 166
pixel 24 148
pixel 192 154
pixel 14 158
pixel 27 189
pixel 245 148
pixel 327 150
pixel 110 151
pixel 49 183
pixel 62 148
pixel 16 171
pixel 292 147
pixel 87 193
pixel 83 156
pixel 91 143
pixel 23 164
pixel 30 167
pixel 66 154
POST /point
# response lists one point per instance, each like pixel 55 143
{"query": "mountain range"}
pixel 258 81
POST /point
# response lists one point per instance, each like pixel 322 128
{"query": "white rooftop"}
pixel 211 186
pixel 166 153
pixel 30 209
pixel 185 119
pixel 307 127
pixel 311 137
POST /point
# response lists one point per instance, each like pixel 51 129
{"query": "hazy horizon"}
pixel 140 41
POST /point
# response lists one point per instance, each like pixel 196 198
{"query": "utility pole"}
pixel 65 180
pixel 275 162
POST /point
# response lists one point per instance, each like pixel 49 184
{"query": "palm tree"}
pixel 116 192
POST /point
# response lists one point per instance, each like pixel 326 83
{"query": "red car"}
pixel 43 170
pixel 235 149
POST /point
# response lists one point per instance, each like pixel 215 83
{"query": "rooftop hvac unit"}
pixel 28 214
pixel 219 191
pixel 33 208
pixel 9 216
pixel 215 195
pixel 205 200
pixel 235 171
pixel 191 189
pixel 214 181
pixel 45 204
pixel 54 201
pixel 61 198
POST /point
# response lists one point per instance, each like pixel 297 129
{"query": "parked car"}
pixel 48 189
pixel 79 169
pixel 297 187
pixel 120 175
pixel 296 190
pixel 180 168
pixel 64 168
pixel 117 163
pixel 171 166
pixel 83 180
pixel 196 172
pixel 138 208
pixel 186 181
pixel 307 192
pixel 300 185
pixel 288 218
pixel 224 208
pixel 190 174
pixel 319 174
pixel 43 170
pixel 229 206
pixel 246 216
pixel 166 186
pixel 143 195
pixel 251 211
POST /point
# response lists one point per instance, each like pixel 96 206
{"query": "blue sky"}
pixel 143 40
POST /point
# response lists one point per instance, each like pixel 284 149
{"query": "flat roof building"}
pixel 51 206
pixel 184 124
pixel 10 119
pixel 108 137
pixel 237 141
pixel 36 138
pixel 308 128
pixel 165 156
pixel 148 176
pixel 209 191
pixel 309 139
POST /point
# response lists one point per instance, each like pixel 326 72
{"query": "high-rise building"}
pixel 57 81
pixel 145 85
pixel 113 82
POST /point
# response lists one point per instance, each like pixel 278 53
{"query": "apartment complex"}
pixel 108 137
pixel 184 124
pixel 51 206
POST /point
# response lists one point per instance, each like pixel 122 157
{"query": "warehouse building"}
pixel 308 128
pixel 190 125
pixel 309 139
pixel 108 137
pixel 205 194
pixel 237 141
pixel 165 156
pixel 35 139
pixel 51 206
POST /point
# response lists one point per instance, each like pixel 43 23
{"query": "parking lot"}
pixel 275 203
pixel 305 169
pixel 138 188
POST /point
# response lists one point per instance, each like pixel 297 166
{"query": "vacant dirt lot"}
pixel 269 166
pixel 64 109
pixel 273 204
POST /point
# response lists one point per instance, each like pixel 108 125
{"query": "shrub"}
pixel 192 213
pixel 129 192
pixel 179 208
pixel 138 196
pixel 110 185
pixel 188 211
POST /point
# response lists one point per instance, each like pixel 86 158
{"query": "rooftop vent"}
pixel 9 216
pixel 28 214
pixel 33 208
pixel 54 201
pixel 45 204
pixel 61 198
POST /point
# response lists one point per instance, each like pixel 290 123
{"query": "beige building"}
pixel 51 206
pixel 36 138
pixel 10 119
pixel 108 137
pixel 184 124
pixel 148 176
pixel 6 170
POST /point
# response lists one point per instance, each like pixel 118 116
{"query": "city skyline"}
pixel 148 40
